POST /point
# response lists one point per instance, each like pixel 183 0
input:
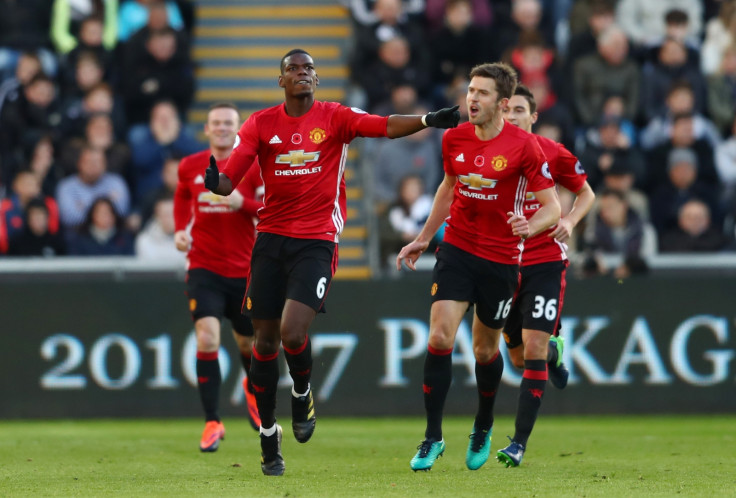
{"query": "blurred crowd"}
pixel 93 102
pixel 94 95
pixel 643 92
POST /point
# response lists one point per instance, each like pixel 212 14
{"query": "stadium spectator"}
pixel 76 193
pixel 28 66
pixel 419 154
pixel 158 20
pixel 43 163
pixel 458 45
pixel 658 77
pixel 720 33
pixel 156 241
pixel 133 15
pixel 725 158
pixel 391 22
pixel 600 17
pixel 102 233
pixel 25 188
pixel 694 232
pixel 363 12
pixel 156 74
pixel 98 100
pixel 620 176
pixel 682 185
pixel 24 27
pixel 164 136
pixel 37 238
pixel 395 67
pixel 403 219
pixel 99 134
pixel 143 210
pixel 616 229
pixel 297 235
pixel 92 40
pixel 537 67
pixel 676 28
pixel 35 113
pixel 78 78
pixel 68 18
pixel 608 71
pixel 435 13
pixel 525 17
pixel 682 136
pixel 608 146
pixel 644 22
pixel 722 91
pixel 680 99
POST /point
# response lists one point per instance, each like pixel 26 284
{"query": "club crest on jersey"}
pixel 479 161
pixel 317 136
pixel 434 289
pixel 248 304
pixel 296 138
pixel 499 163
pixel 192 304
pixel 474 181
pixel 297 158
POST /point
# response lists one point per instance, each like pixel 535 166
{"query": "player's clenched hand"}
pixel 181 240
pixel 212 175
pixel 448 117
pixel 411 253
pixel 519 225
pixel 562 231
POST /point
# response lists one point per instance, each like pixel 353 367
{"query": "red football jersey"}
pixel 493 177
pixel 567 171
pixel 222 239
pixel 302 163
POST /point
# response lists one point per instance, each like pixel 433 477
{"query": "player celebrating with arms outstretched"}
pixel 302 148
pixel 489 166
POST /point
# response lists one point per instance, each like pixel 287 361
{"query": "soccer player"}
pixel 219 244
pixel 489 166
pixel 532 327
pixel 302 147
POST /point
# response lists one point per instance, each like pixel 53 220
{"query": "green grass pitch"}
pixel 567 456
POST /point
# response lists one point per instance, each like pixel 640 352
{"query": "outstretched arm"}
pixel 401 125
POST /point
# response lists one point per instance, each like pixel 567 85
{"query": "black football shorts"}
pixel 461 276
pixel 288 268
pixel 211 294
pixel 538 301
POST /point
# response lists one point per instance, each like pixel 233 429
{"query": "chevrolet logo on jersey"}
pixel 297 158
pixel 474 181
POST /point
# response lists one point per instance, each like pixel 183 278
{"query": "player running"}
pixel 531 330
pixel 489 167
pixel 218 234
pixel 302 147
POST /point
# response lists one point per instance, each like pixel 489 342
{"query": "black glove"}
pixel 448 117
pixel 212 175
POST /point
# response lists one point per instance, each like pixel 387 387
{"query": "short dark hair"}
pixel 503 74
pixel 676 16
pixel 612 192
pixel 524 91
pixel 289 54
pixel 680 84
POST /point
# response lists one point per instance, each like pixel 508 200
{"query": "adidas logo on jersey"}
pixel 199 179
pixel 460 158
pixel 275 140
